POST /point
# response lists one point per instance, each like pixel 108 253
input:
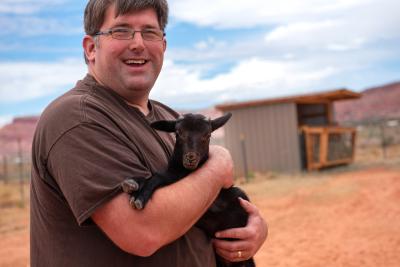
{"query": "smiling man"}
pixel 98 134
pixel 129 62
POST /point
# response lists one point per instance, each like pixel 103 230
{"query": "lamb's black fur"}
pixel 193 133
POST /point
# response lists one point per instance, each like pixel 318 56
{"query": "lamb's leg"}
pixel 132 186
pixel 129 186
pixel 144 195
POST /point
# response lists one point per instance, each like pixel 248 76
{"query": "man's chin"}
pixel 139 85
pixel 139 89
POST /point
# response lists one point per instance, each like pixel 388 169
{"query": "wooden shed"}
pixel 288 134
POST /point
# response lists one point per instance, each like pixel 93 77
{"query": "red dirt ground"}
pixel 324 219
pixel 350 219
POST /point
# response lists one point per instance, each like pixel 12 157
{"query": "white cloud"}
pixel 338 25
pixel 301 29
pixel 251 78
pixel 209 43
pixel 23 81
pixel 24 7
pixel 317 34
pixel 29 26
pixel 352 29
pixel 250 13
pixel 28 18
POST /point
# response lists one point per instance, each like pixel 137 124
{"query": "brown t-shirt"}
pixel 86 143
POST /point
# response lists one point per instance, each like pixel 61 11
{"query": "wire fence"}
pixel 375 139
pixel 15 168
pixel 14 173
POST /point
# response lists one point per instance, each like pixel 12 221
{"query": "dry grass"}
pixel 366 154
pixel 14 225
pixel 12 194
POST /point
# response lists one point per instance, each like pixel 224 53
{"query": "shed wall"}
pixel 269 140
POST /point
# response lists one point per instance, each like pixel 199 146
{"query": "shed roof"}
pixel 314 98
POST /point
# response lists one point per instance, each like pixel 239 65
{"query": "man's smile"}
pixel 135 62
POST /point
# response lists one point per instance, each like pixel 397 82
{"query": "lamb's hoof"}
pixel 129 186
pixel 139 204
pixel 132 202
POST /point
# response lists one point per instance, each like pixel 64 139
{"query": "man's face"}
pixel 129 67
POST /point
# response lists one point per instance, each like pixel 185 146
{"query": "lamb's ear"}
pixel 166 126
pixel 218 122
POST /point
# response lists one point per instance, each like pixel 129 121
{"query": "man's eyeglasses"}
pixel 127 34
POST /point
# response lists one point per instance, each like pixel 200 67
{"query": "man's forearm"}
pixel 181 204
pixel 170 213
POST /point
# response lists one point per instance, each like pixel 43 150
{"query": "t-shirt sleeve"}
pixel 89 163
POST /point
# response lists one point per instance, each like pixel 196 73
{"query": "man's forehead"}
pixel 147 17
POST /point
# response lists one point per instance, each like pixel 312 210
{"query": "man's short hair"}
pixel 96 9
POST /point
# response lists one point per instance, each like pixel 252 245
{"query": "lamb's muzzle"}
pixel 191 160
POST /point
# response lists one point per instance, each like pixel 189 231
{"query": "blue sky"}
pixel 218 50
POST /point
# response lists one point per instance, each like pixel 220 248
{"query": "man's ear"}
pixel 165 126
pixel 165 44
pixel 89 47
pixel 219 122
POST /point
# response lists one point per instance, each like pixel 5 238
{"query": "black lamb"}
pixel 193 133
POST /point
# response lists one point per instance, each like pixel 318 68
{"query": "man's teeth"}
pixel 135 61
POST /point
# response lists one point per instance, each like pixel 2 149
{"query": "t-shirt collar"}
pixel 91 81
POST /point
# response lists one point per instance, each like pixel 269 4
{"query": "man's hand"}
pixel 250 238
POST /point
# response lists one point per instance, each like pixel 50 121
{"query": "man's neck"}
pixel 142 104
pixel 144 108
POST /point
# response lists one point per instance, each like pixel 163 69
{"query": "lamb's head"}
pixel 193 132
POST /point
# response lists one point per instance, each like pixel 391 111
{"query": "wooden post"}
pixel 5 170
pixel 353 144
pixel 243 146
pixel 330 112
pixel 309 151
pixel 21 173
pixel 324 147
pixel 309 146
pixel 383 140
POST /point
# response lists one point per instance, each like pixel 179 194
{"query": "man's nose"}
pixel 137 41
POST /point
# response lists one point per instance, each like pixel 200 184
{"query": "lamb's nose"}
pixel 192 155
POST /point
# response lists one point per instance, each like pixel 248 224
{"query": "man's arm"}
pixel 170 213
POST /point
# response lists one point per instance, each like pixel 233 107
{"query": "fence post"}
pixel 5 170
pixel 243 146
pixel 21 173
pixel 383 139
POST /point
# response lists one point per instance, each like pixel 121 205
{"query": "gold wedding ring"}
pixel 239 254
